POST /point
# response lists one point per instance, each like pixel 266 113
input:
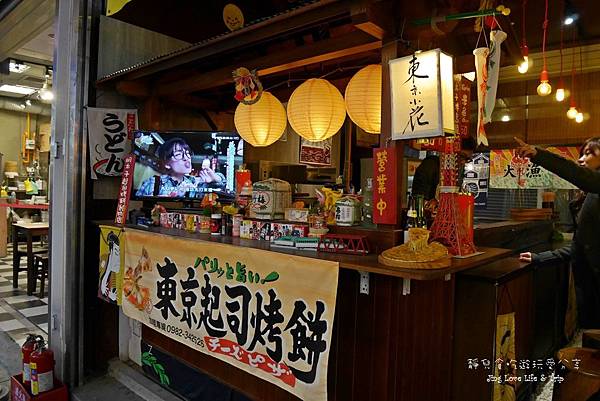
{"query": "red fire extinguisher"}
pixel 26 350
pixel 42 369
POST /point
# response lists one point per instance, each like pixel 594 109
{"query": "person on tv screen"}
pixel 175 161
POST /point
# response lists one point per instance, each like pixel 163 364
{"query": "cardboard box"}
pixel 18 391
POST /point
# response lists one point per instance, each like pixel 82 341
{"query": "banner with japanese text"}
pixel 508 171
pixel 385 191
pixel 269 314
pixel 109 131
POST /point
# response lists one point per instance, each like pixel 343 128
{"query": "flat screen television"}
pixel 185 165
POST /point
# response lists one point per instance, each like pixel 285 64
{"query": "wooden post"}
pixel 3 230
pixel 389 51
pixel 150 115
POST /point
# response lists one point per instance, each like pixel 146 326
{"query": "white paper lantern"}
pixel 316 110
pixel 261 123
pixel 363 99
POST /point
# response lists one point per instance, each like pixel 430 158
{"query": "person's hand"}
pixel 526 257
pixel 524 149
pixel 208 175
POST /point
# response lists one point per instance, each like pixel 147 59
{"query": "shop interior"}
pixel 25 119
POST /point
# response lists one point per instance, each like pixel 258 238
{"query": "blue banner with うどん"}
pixel 267 313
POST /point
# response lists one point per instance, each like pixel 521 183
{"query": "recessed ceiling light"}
pixel 18 68
pixel 505 118
pixel 570 19
pixel 21 90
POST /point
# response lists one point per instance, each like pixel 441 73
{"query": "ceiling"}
pixel 27 33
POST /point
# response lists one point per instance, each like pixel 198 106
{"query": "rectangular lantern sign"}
pixel 385 192
pixel 422 89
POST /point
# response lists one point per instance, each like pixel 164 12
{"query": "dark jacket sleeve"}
pixel 582 177
pixel 563 254
pixel 427 177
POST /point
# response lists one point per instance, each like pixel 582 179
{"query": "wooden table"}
pixel 3 219
pixel 30 230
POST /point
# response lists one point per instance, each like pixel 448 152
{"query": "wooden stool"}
pixel 20 252
pixel 582 383
pixel 40 271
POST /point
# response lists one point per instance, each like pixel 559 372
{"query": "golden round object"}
pixel 363 98
pixel 316 110
pixel 262 123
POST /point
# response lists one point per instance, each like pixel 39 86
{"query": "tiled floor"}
pixel 20 314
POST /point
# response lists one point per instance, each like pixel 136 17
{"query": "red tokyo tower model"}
pixel 449 226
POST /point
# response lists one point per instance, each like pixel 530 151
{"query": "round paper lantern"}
pixel 363 99
pixel 316 110
pixel 261 123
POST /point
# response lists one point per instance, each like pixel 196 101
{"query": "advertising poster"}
pixel 109 131
pixel 266 313
pixel 315 153
pixel 111 264
pixel 476 178
pixel 508 171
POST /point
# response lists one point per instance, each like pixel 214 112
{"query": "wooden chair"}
pixel 21 252
pixel 40 271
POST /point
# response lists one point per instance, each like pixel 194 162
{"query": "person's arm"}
pixel 426 179
pixel 582 177
pixel 563 254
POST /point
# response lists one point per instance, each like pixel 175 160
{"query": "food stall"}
pixel 343 293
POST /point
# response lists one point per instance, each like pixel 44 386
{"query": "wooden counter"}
pixel 394 343
pixel 520 236
pixel 366 263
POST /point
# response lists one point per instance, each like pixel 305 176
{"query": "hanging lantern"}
pixel 261 123
pixel 316 110
pixel 363 99
pixel 422 92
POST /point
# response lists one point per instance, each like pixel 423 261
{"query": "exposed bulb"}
pixel 560 94
pixel 572 112
pixel 544 88
pixel 579 117
pixel 524 66
pixel 505 118
pixel 46 94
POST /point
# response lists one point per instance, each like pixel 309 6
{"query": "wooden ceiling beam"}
pixel 134 88
pixel 355 43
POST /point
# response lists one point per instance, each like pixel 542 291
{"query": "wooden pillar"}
pixel 389 51
pixel 3 230
pixel 150 115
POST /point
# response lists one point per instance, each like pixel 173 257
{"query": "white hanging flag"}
pixel 493 70
pixel 109 136
pixel 481 54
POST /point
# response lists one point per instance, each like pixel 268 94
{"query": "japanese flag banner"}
pixel 269 314
pixel 109 134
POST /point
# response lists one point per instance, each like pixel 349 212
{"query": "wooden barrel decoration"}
pixel 582 380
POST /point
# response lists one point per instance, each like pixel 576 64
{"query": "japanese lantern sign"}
pixel 462 105
pixel 385 191
pixel 422 88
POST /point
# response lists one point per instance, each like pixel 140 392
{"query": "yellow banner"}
pixel 111 264
pixel 267 313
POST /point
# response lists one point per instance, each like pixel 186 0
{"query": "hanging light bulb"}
pixel 544 88
pixel 526 63
pixel 572 112
pixel 560 94
pixel 579 118
pixel 46 94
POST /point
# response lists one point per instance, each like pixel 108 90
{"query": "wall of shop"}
pixel 13 125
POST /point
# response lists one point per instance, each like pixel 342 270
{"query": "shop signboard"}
pixel 385 191
pixel 266 313
pixel 422 90
pixel 109 134
pixel 508 171
pixel 462 105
